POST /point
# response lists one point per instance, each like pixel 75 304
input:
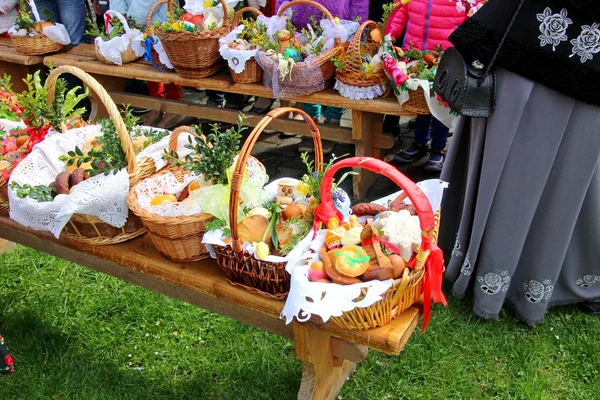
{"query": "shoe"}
pixel 214 103
pixel 151 118
pixel 413 153
pixel 412 123
pixel 170 121
pixel 239 103
pixel 591 307
pixel 307 146
pixel 264 109
pixel 296 117
pixel 436 161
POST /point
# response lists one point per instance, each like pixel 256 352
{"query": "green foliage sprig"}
pixel 24 18
pixel 211 158
pixel 218 223
pixel 313 179
pixel 39 193
pixel 387 11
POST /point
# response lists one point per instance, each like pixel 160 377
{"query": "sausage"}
pixel 367 209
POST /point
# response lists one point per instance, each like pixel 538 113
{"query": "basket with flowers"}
pixel 119 43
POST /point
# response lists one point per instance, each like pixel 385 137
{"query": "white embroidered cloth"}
pixel 102 196
pixel 197 7
pixel 328 300
pixel 359 93
pixel 112 49
pixel 236 59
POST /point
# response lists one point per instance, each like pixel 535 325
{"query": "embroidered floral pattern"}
pixel 553 27
pixel 492 283
pixel 467 268
pixel 456 250
pixel 587 43
pixel 588 281
pixel 536 292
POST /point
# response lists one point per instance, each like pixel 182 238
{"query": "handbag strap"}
pixel 504 36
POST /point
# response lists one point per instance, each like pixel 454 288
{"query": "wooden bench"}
pixel 17 65
pixel 367 115
pixel 328 354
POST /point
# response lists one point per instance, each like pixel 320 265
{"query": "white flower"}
pixel 553 27
pixel 460 7
pixel 587 43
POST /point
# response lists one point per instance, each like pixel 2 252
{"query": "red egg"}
pixel 197 20
pixel 186 16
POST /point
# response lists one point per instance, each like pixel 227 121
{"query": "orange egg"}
pixel 158 200
pixel 292 211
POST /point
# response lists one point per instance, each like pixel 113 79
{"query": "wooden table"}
pixel 17 65
pixel 328 354
pixel 367 115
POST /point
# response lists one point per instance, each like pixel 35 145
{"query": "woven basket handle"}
pixel 238 15
pixel 314 4
pixel 151 13
pixel 240 166
pixel 104 97
pixel 421 203
pixel 120 17
pixel 353 53
pixel 174 137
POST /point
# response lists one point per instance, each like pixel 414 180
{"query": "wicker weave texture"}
pixel 35 45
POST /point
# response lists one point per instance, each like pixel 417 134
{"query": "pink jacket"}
pixel 426 23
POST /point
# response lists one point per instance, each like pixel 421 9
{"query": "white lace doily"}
pixel 166 184
pixel 102 196
pixel 162 55
pixel 112 49
pixel 197 7
pixel 359 93
pixel 330 299
pixel 236 59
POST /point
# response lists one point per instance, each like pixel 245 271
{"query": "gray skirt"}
pixel 521 217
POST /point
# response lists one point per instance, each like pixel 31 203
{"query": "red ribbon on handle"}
pixel 107 20
pixel 432 287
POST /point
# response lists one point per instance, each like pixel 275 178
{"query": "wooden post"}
pixel 327 362
pixel 365 125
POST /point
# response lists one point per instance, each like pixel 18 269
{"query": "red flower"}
pixel 8 360
pixel 9 145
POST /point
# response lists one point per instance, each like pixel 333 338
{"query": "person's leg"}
pixel 215 98
pixel 439 138
pixel 334 114
pixel 418 149
pixel 235 101
pixel 156 89
pixel 172 91
pixel 48 10
pixel 72 16
pixel 313 110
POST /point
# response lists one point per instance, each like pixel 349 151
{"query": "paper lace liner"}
pixel 359 93
pixel 330 299
pixel 236 59
pixel 104 196
pixel 57 33
pixel 113 48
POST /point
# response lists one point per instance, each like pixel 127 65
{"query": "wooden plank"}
pixel 9 54
pixel 80 57
pixel 17 73
pixel 201 283
pixel 329 132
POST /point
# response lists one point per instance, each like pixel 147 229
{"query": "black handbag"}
pixel 469 89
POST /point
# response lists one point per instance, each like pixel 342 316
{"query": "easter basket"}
pixel 241 71
pixel 195 54
pixel 242 267
pixel 417 103
pixel 47 38
pixel 174 233
pixel 306 77
pixel 95 211
pixel 359 304
pixel 121 49
pixel 35 45
pixel 352 80
pixel 154 51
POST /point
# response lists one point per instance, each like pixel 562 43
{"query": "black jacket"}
pixel 553 42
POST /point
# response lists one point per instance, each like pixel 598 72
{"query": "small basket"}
pixel 90 229
pixel 35 45
pixel 353 74
pixel 178 238
pixel 128 55
pixel 408 289
pixel 417 102
pixel 324 61
pixel 195 54
pixel 264 278
pixel 252 72
pixel 154 57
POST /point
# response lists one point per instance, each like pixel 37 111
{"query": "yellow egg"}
pixel 158 200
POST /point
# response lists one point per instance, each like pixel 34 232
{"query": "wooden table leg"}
pixel 17 73
pixel 364 126
pixel 327 362
pixel 109 83
pixel 6 246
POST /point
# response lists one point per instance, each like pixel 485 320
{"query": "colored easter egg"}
pixel 293 54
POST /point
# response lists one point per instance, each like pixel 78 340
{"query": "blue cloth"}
pixel 427 127
pixel 70 13
pixel 331 113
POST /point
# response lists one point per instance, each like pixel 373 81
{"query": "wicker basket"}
pixel 264 278
pixel 178 238
pixel 35 45
pixel 86 228
pixel 195 55
pixel 417 102
pixel 353 74
pixel 252 73
pixel 324 62
pixel 408 289
pixel 128 55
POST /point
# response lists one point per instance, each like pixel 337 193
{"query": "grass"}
pixel 78 334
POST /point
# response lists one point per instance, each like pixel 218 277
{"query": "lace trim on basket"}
pixel 359 93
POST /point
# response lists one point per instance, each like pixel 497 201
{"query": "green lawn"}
pixel 77 334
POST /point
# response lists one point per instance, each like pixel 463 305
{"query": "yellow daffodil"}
pixel 337 20
pixel 303 188
pixel 405 1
